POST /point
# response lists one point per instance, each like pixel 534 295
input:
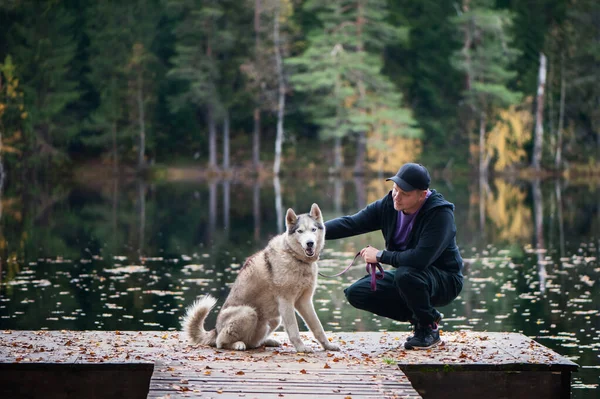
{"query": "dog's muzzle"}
pixel 310 249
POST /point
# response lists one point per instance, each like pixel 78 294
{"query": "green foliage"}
pixel 200 42
pixel 12 110
pixel 43 44
pixel 96 75
pixel 421 68
pixel 486 56
pixel 341 70
pixel 129 71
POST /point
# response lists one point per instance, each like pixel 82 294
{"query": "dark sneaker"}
pixel 425 337
pixel 437 321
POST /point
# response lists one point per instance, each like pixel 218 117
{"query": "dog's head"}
pixel 306 232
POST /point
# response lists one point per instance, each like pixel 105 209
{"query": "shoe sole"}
pixel 437 321
pixel 436 343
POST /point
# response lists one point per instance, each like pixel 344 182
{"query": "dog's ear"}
pixel 290 217
pixel 315 212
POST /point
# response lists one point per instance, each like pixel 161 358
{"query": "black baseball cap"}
pixel 412 176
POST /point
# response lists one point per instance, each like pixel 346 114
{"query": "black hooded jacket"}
pixel 432 241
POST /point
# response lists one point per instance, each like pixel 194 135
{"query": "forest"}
pixel 288 85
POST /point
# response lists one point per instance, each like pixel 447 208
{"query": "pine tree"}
pixel 484 59
pixel 200 43
pixel 583 70
pixel 121 67
pixel 341 70
pixel 420 66
pixel 43 45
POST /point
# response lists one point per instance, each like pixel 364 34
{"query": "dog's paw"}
pixel 238 346
pixel 271 342
pixel 303 349
pixel 331 347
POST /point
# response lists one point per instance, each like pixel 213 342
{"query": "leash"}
pixel 373 269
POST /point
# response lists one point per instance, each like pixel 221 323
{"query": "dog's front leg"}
pixel 307 311
pixel 288 315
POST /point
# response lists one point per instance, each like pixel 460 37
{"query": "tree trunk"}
pixel 338 195
pixel 142 216
pixel 256 209
pixel 226 204
pixel 561 227
pixel 256 140
pixel 256 132
pixel 361 150
pixel 115 155
pixel 539 232
pixel 212 211
pixel 338 158
pixel 212 138
pixel 361 143
pixel 561 114
pixel 468 40
pixel 115 212
pixel 141 121
pixel 483 193
pixel 539 116
pixel 278 204
pixel 281 92
pixel 226 162
pixel 483 160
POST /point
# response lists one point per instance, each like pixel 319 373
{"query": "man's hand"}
pixel 369 254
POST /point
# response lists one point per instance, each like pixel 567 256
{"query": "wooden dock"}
pixel 153 364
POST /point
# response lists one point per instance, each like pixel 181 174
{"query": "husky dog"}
pixel 270 287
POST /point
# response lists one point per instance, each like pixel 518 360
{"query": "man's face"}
pixel 407 201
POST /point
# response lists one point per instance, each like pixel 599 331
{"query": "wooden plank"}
pixel 491 365
pixel 366 366
pixel 483 351
pixel 310 380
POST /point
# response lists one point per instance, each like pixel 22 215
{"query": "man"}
pixel 419 231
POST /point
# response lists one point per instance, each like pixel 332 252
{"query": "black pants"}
pixel 406 294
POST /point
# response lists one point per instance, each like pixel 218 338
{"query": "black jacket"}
pixel 432 241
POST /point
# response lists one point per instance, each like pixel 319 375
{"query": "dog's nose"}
pixel 310 244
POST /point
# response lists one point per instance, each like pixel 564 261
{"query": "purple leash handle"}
pixel 372 269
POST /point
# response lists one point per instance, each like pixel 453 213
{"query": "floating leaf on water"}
pixel 163 293
pixel 128 269
pixel 586 280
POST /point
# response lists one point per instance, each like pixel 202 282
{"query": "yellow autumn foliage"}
pixel 377 188
pixel 386 152
pixel 387 158
pixel 509 135
pixel 507 209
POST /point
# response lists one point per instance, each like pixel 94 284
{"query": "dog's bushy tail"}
pixel 193 322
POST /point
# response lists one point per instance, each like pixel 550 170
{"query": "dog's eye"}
pixel 299 231
pixel 314 229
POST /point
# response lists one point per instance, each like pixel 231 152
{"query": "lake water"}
pixel 131 255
